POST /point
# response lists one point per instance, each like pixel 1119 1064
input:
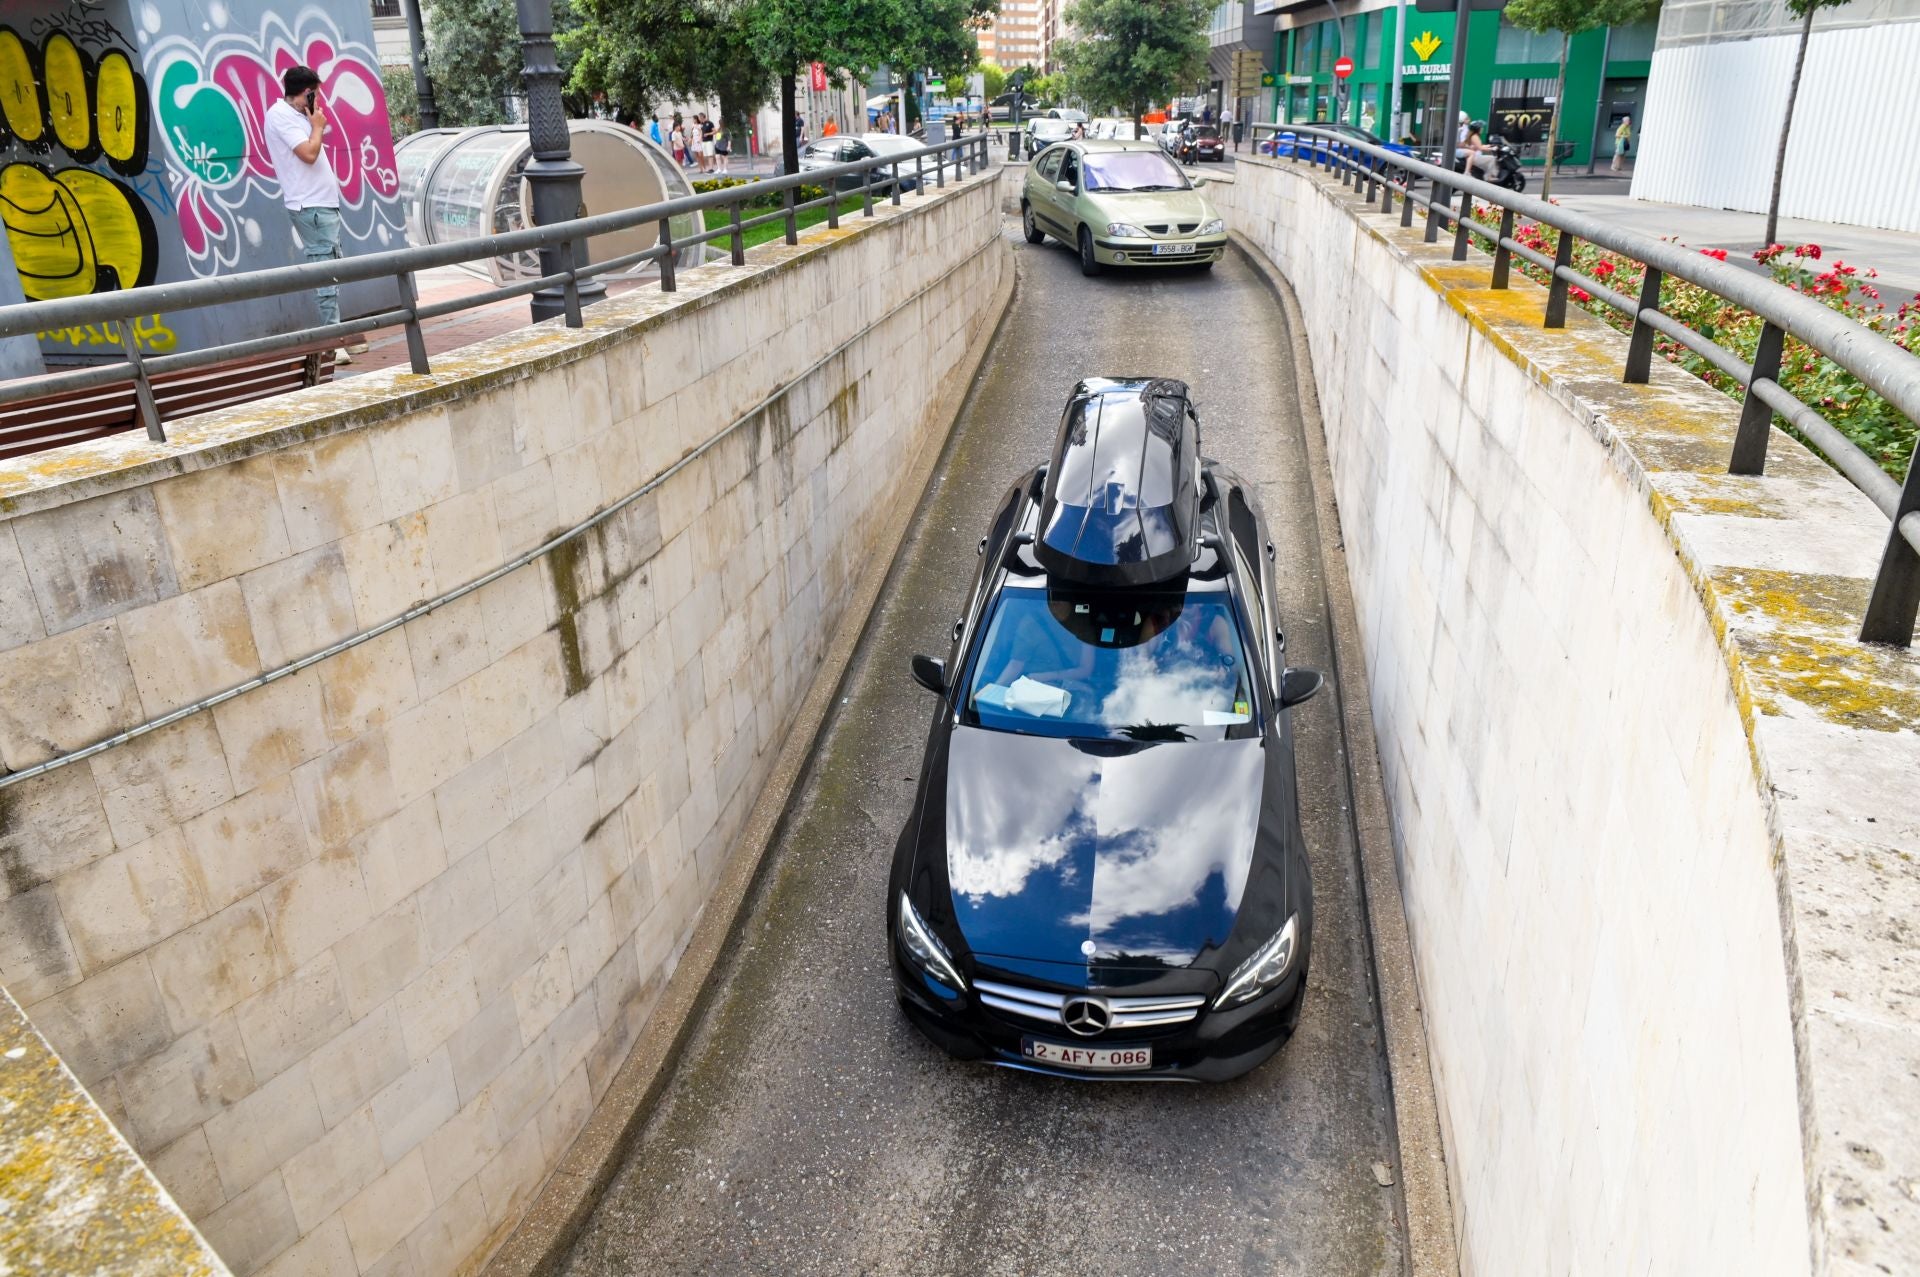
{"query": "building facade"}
pixel 1017 36
pixel 1509 79
pixel 1713 113
pixel 1239 53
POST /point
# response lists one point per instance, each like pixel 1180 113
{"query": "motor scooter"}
pixel 1506 170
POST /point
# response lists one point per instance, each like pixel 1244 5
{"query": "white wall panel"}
pixel 1713 121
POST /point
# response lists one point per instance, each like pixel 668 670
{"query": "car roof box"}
pixel 1121 501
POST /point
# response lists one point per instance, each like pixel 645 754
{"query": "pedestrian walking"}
pixel 706 142
pixel 296 128
pixel 653 131
pixel 722 148
pixel 677 140
pixel 1622 143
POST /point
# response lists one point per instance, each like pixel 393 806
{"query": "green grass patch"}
pixel 718 218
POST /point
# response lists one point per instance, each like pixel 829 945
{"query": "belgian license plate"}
pixel 1104 1059
pixel 1172 250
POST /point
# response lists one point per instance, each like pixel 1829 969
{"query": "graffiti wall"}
pixel 133 151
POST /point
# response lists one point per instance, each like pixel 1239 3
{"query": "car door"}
pixel 1068 201
pixel 1040 191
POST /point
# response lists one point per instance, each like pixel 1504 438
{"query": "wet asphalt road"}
pixel 810 1129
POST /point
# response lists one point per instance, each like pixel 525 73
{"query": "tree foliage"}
pixel 403 104
pixel 473 47
pixel 637 52
pixel 1133 53
pixel 993 79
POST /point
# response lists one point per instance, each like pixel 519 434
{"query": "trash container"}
pixel 1013 144
pixel 1239 131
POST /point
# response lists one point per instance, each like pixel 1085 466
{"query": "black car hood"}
pixel 1109 854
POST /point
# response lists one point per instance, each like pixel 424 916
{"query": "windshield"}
pixel 1139 665
pixel 1068 113
pixel 1206 131
pixel 1133 171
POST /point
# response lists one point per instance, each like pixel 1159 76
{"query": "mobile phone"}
pixel 311 95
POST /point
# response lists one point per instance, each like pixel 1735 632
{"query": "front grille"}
pixel 1188 228
pixel 1158 228
pixel 1128 1013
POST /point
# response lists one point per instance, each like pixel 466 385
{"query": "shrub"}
pixel 1836 394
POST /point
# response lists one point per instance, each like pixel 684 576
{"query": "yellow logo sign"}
pixel 1424 45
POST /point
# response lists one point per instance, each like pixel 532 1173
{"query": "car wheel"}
pixel 1089 264
pixel 1034 234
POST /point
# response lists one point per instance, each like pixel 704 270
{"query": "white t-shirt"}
pixel 302 185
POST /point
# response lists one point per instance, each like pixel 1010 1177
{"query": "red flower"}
pixel 1768 253
pixel 1717 254
pixel 1808 250
pixel 1580 294
pixel 1603 269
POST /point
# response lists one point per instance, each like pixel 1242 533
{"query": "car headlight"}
pixel 1263 969
pixel 1216 227
pixel 925 948
pixel 1125 228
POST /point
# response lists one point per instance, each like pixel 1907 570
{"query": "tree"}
pixel 1570 18
pixel 993 80
pixel 403 107
pixel 1135 52
pixel 474 47
pixel 1804 10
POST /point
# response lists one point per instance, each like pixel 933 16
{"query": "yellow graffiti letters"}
pixel 121 105
pixel 150 333
pixel 75 232
pixel 66 71
pixel 19 89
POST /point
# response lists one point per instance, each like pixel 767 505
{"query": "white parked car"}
pixel 1046 131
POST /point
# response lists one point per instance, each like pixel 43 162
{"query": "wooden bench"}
pixel 71 416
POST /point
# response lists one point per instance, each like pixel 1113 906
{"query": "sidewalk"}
pixel 1895 254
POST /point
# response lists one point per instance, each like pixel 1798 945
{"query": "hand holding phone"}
pixel 314 114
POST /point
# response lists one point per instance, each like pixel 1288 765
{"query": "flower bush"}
pixel 1857 412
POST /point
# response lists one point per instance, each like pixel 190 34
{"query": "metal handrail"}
pixel 964 155
pixel 1881 365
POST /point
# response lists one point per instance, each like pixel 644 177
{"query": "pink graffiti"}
pixel 358 143
pixel 200 222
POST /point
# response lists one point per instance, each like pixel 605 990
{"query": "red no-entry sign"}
pixel 1343 67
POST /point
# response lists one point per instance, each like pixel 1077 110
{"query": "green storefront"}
pixel 1509 78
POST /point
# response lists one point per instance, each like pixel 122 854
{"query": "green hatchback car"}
pixel 1120 204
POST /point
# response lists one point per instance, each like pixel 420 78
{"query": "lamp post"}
pixel 422 82
pixel 551 173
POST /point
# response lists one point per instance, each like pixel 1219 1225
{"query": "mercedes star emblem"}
pixel 1086 1016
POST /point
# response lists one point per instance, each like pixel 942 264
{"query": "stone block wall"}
pixel 350 957
pixel 1651 801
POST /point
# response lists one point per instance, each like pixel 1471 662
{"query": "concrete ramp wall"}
pixel 1652 805
pixel 349 958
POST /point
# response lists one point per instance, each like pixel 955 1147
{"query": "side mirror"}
pixel 1296 685
pixel 932 674
pixel 1199 182
pixel 1065 186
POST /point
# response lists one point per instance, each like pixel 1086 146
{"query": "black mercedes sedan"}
pixel 1103 873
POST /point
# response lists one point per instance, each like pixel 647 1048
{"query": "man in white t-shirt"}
pixel 295 129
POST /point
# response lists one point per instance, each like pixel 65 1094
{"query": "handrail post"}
pixel 1756 416
pixel 940 169
pixel 1640 344
pixel 1895 601
pixel 1502 255
pixel 1386 195
pixel 739 239
pixel 1406 205
pixel 570 290
pixel 866 191
pixel 1460 224
pixel 793 225
pixel 1557 286
pixel 666 256
pixel 416 340
pixel 833 203
pixel 143 401
pixel 894 168
pixel 919 177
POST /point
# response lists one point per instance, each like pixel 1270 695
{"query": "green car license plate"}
pixel 1172 250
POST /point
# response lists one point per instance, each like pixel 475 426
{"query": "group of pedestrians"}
pixel 701 144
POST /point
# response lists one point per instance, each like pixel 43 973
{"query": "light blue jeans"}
pixel 319 231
